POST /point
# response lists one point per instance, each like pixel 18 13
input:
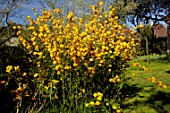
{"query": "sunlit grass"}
pixel 150 99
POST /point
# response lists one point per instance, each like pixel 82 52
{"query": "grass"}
pixel 150 99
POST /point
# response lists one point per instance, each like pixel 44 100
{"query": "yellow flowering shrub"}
pixel 72 60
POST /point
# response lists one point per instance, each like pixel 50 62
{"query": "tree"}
pixel 154 10
pixel 151 10
pixel 9 9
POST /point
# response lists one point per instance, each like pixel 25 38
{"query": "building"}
pixel 160 31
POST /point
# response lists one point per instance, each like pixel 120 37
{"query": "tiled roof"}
pixel 160 31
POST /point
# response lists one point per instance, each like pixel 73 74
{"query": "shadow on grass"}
pixel 164 59
pixel 168 71
pixel 130 91
pixel 158 100
pixel 160 58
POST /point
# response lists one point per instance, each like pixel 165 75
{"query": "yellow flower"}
pixel 100 3
pixel 91 59
pixel 18 32
pixel 140 25
pixel 33 8
pixel 99 94
pixel 36 74
pixel 99 98
pixel 70 15
pixel 40 54
pixel 46 87
pixel 111 80
pixel 9 68
pixel 159 83
pixel 57 67
pixel 107 104
pixel 114 107
pixel 96 12
pixel 24 74
pixel 19 27
pixel 14 27
pixel 118 80
pixel 54 62
pixel 97 103
pixel 92 103
pixel 118 111
pixel 75 64
pixel 55 96
pixel 95 94
pixel 133 74
pixel 55 81
pixel 153 79
pixel 20 89
pixel 83 90
pixel 109 70
pixel 25 86
pixel 28 17
pixel 16 68
pixel 87 105
pixel 164 86
pixel 18 97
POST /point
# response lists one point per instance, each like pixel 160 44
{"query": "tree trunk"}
pixel 168 41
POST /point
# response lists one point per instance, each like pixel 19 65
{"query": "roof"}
pixel 160 31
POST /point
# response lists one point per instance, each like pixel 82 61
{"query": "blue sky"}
pixel 29 12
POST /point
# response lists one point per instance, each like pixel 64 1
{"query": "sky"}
pixel 29 12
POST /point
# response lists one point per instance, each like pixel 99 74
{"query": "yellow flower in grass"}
pixel 164 86
pixel 133 74
pixel 159 83
pixel 153 79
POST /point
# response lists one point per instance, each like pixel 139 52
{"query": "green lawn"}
pixel 149 99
